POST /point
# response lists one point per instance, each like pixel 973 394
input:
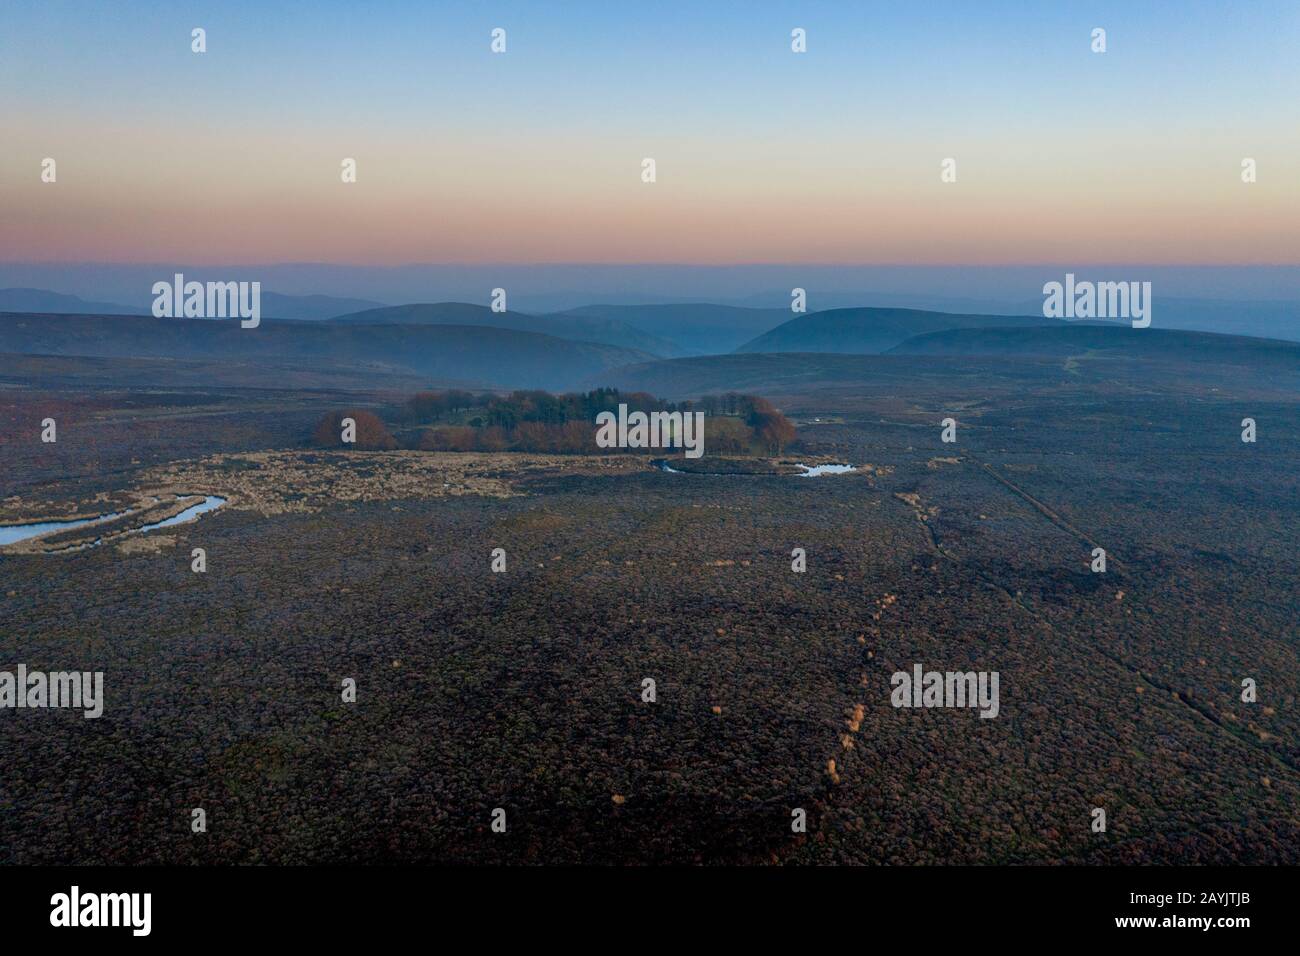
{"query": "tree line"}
pixel 538 421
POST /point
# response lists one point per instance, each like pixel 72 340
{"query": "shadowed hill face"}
pixel 698 328
pixel 1078 338
pixel 578 328
pixel 871 331
pixel 484 355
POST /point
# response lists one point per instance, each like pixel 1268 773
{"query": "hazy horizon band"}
pixel 534 157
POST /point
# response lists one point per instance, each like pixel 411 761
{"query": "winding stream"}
pixel 11 534
pixel 209 503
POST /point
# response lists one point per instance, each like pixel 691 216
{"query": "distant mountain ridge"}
pixel 274 305
pixel 43 300
pixel 465 342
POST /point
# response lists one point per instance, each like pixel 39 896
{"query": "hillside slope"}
pixel 578 328
pixel 310 307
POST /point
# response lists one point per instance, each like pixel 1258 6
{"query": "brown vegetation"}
pixel 565 424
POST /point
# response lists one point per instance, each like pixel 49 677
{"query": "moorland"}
pixel 523 689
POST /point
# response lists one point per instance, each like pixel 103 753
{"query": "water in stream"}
pixel 10 534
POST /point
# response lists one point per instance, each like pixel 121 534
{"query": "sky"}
pixel 534 156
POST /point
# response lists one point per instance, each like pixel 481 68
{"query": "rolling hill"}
pixel 1105 338
pixel 481 354
pixel 1065 354
pixel 579 328
pixel 871 331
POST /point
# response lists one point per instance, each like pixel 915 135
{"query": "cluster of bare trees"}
pixel 771 429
